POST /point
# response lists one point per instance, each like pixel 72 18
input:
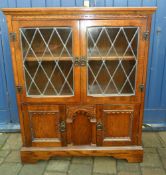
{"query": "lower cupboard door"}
pixel 44 125
pixel 117 125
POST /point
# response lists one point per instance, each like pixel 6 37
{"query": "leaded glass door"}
pixel 113 50
pixel 47 56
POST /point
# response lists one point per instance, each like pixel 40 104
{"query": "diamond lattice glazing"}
pixel 47 61
pixel 112 60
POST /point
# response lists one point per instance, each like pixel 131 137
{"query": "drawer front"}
pixel 42 125
pixel 117 125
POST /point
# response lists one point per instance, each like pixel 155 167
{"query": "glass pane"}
pixel 48 61
pixel 112 60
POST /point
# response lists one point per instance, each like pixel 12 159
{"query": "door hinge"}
pixel 12 36
pixel 19 89
pixel 62 126
pixel 146 35
pixel 141 87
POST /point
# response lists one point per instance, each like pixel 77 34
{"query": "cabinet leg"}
pixel 130 157
pixel 27 157
pixel 135 159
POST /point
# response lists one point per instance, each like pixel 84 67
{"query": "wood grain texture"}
pixel 155 102
pixel 84 79
pixel 131 154
pixel 81 130
pixel 19 61
pixel 42 125
pixel 120 124
pixel 76 10
pixel 81 124
pixel 113 128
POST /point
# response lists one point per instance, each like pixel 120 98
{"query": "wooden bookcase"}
pixel 80 77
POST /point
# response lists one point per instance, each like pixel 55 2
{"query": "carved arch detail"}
pixel 89 111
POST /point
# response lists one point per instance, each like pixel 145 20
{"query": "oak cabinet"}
pixel 80 76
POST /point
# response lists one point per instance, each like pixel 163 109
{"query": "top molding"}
pixel 80 11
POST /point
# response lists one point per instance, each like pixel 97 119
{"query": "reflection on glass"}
pixel 112 60
pixel 48 61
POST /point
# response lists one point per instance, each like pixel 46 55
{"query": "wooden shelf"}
pixel 111 58
pixel 49 58
pixel 95 58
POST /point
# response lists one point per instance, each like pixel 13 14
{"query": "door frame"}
pixel 141 23
pixel 74 24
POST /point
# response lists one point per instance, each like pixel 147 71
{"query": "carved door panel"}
pixel 117 124
pixel 45 125
pixel 81 125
